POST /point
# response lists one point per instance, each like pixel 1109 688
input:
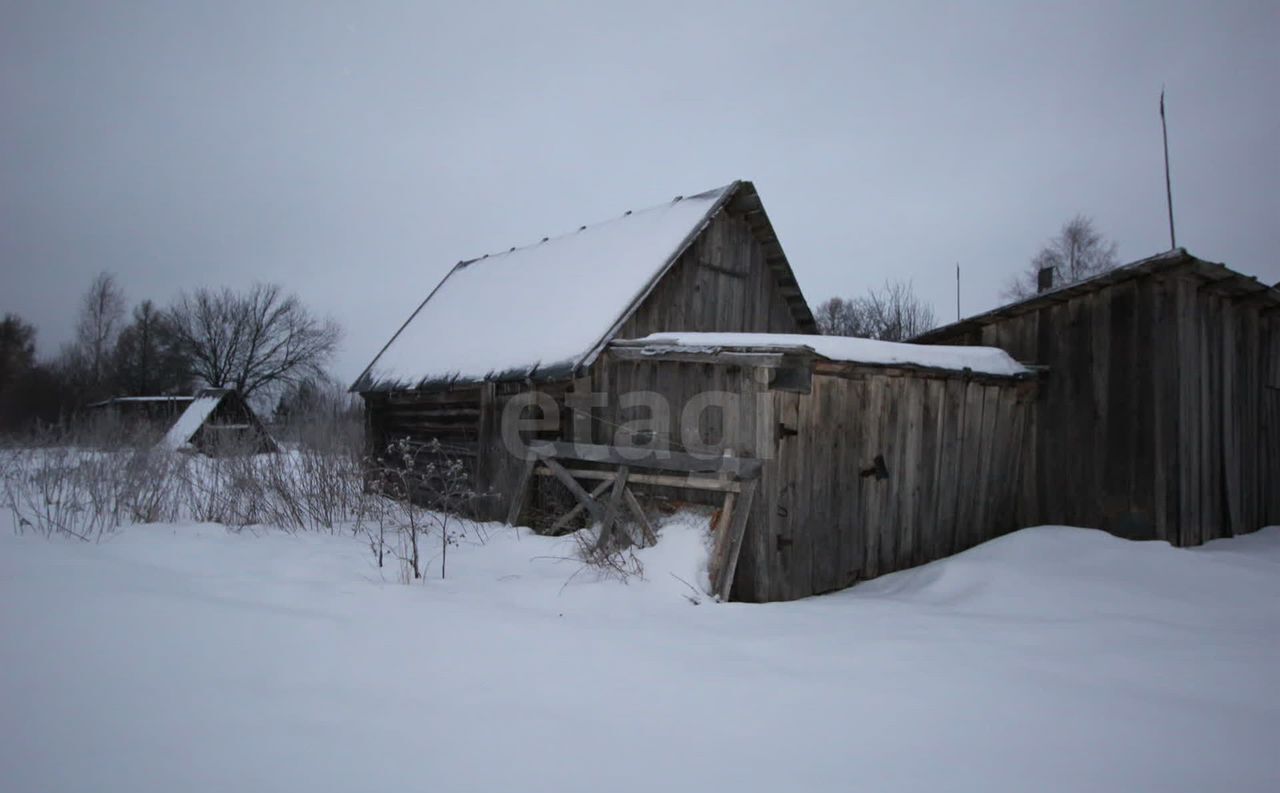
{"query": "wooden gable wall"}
pixel 722 283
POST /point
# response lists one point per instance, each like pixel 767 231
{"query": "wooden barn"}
pixel 218 421
pixel 1158 416
pixel 146 410
pixel 831 460
pixel 500 325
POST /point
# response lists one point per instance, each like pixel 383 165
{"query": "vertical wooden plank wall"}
pixel 952 449
pixel 722 283
pixel 1157 418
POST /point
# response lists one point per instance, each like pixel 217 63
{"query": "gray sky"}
pixel 355 152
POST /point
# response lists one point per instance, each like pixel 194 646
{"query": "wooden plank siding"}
pixel 951 445
pixel 1157 416
pixel 723 282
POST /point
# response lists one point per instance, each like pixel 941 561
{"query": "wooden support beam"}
pixel 650 538
pixel 520 495
pixel 658 480
pixel 670 352
pixel 737 530
pixel 611 513
pixel 659 459
pixel 563 521
pixel 720 551
pixel 568 481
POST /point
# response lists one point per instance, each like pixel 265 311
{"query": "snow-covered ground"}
pixel 187 658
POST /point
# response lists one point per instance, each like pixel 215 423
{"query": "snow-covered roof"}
pixel 982 360
pixel 180 434
pixel 1215 276
pixel 543 308
pixel 129 400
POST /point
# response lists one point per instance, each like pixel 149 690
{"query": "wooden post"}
pixel 650 538
pixel 521 492
pixel 737 530
pixel 720 551
pixel 611 514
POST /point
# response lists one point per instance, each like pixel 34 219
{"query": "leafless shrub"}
pixel 428 490
pixel 613 560
pixel 88 495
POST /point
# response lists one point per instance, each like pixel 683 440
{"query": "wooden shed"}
pixel 538 317
pixel 670 351
pixel 1159 413
pixel 874 456
pixel 218 421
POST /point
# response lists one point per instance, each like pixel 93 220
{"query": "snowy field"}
pixel 187 658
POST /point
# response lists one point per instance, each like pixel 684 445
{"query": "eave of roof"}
pixel 1218 275
pixel 743 198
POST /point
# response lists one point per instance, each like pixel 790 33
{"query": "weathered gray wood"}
pixel 659 480
pixel 611 513
pixel 558 470
pixel 649 351
pixel 737 530
pixel 720 531
pixel 642 520
pixel 563 521
pixel 520 494
pixel 644 458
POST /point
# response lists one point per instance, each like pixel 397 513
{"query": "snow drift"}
pixel 190 658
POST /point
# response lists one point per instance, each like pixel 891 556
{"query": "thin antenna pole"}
pixel 957 291
pixel 1168 186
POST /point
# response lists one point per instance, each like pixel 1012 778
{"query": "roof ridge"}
pixel 597 224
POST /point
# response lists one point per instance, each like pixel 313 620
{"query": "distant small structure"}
pixel 157 410
pixel 218 421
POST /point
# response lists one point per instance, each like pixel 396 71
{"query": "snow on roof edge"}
pixel 366 380
pixel 191 420
pixel 982 360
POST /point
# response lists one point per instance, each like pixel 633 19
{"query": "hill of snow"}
pixel 189 658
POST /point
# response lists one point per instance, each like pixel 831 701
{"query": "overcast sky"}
pixel 355 152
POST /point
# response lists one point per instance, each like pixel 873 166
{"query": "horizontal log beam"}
pixel 654 459
pixel 657 480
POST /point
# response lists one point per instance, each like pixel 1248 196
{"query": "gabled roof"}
pixel 192 419
pixel 183 434
pixel 139 400
pixel 547 309
pixel 1218 276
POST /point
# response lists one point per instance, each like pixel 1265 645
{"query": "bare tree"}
pixel 1078 252
pixel 148 355
pixel 252 340
pixel 17 348
pixel 840 316
pixel 892 313
pixel 101 314
pixel 896 312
